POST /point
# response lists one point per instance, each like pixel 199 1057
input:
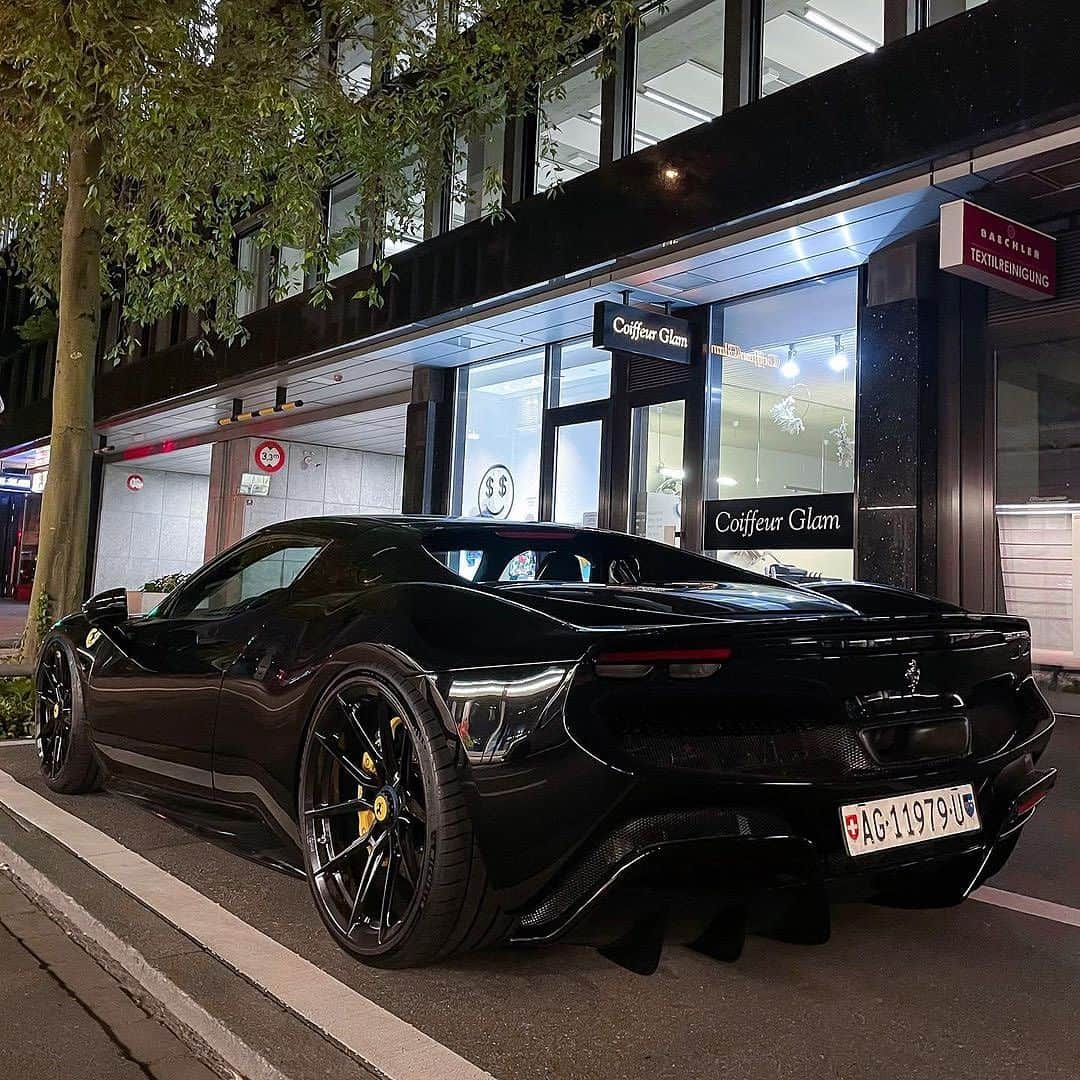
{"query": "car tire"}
pixel 454 908
pixel 65 751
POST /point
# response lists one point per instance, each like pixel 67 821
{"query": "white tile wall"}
pixel 318 481
pixel 160 529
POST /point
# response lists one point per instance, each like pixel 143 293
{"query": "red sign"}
pixel 270 456
pixel 997 251
pixel 134 482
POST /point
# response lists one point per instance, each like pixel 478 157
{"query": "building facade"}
pixel 764 179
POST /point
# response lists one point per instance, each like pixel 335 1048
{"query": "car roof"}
pixel 416 524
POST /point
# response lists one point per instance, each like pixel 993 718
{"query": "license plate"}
pixel 909 819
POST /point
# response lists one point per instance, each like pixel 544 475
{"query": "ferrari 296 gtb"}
pixel 471 732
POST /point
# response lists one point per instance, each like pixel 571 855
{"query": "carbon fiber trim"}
pixel 634 837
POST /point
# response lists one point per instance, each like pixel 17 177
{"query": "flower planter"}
pixel 139 602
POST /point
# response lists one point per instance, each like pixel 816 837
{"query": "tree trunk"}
pixel 65 508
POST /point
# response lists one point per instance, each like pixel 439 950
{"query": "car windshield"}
pixel 517 554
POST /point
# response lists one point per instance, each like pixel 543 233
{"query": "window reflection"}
pixel 680 69
pixel 946 9
pixel 806 37
pixel 579 373
pixel 342 219
pixel 569 143
pixel 477 182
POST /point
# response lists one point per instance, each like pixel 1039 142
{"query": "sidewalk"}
pixel 58 1005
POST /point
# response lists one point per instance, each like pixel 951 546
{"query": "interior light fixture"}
pixel 727 481
pixel 789 368
pixel 838 361
pixel 671 174
pixel 672 474
pixel 660 98
pixel 835 28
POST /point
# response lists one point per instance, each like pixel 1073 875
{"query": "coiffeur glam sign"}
pixel 997 251
pixel 647 333
pixel 817 522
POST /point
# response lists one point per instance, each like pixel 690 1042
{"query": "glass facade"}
pixel 254 262
pixel 497 461
pixel 578 448
pixel 679 77
pixel 1038 493
pixel 802 38
pixel 569 138
pixel 781 410
pixel 477 183
pixel 656 471
pixel 579 373
pixel 342 216
pixel 946 9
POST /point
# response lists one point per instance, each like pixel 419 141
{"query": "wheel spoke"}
pixel 415 810
pixel 349 766
pixel 346 807
pixel 341 856
pixel 350 710
pixel 386 742
pixel 364 885
pixel 388 887
pixel 409 863
pixel 405 767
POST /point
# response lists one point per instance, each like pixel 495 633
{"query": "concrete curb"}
pixel 222 1042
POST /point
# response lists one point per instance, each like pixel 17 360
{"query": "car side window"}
pixel 246 577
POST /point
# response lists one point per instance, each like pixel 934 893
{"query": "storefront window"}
pixel 579 373
pixel 781 429
pixel 577 473
pixel 656 471
pixel 477 183
pixel 1038 493
pixel 806 37
pixel 570 128
pixel 497 459
pixel 680 69
pixel 946 9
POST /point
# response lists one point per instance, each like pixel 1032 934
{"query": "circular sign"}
pixel 496 495
pixel 270 456
pixel 134 482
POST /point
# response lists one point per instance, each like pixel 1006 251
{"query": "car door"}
pixel 154 688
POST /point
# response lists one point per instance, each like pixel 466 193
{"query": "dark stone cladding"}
pixel 1006 67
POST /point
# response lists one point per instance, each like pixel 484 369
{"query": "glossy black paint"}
pixel 212 711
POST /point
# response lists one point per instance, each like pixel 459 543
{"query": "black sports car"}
pixel 471 732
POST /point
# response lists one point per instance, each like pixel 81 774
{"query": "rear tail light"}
pixel 680 663
pixel 1030 802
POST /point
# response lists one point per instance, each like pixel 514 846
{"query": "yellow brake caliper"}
pixel 366 818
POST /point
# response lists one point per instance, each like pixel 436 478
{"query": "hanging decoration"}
pixel 786 417
pixel 844 444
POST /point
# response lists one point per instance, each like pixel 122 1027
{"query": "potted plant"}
pixel 141 601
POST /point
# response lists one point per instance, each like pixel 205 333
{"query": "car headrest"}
pixel 559 566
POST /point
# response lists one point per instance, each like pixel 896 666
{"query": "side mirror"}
pixel 107 608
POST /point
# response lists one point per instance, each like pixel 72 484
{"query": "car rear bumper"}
pixel 693 853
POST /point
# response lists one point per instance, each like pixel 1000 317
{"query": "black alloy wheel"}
pixel 63 742
pixel 53 705
pixel 365 816
pixel 389 848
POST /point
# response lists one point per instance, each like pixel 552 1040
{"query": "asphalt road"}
pixel 63 1014
pixel 974 991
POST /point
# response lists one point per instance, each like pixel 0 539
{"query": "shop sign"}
pixel 135 482
pixel 270 456
pixel 647 333
pixel 815 522
pixel 15 482
pixel 998 252
pixel 495 498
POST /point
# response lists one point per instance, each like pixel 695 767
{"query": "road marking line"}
pixel 382 1040
pixel 1029 905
